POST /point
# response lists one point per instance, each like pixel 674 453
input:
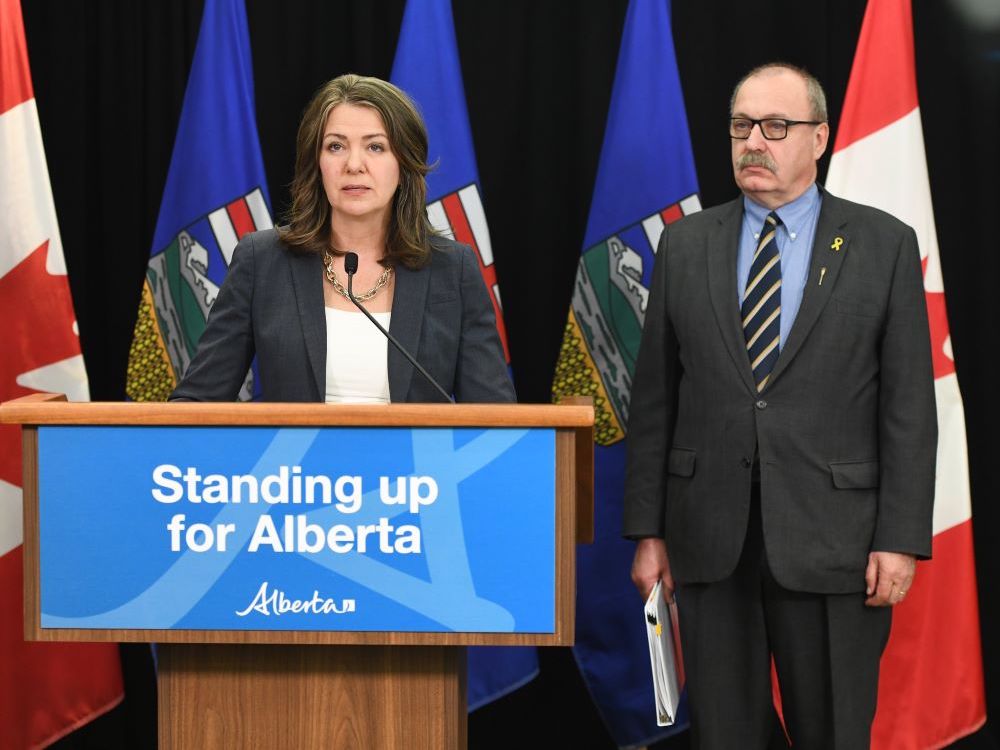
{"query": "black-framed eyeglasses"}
pixel 772 128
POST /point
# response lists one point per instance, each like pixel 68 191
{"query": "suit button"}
pixel 747 462
pixel 762 404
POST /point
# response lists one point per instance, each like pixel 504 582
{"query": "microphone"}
pixel 351 267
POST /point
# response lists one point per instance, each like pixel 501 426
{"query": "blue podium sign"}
pixel 296 528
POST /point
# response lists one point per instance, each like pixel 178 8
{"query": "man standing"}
pixel 782 434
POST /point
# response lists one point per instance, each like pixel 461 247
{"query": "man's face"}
pixel 773 173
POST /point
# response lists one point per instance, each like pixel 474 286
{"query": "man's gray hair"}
pixel 817 99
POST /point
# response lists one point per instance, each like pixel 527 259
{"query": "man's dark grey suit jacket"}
pixel 846 427
pixel 271 304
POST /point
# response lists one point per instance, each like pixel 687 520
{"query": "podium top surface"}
pixel 49 409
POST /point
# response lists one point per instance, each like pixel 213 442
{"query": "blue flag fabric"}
pixel 216 192
pixel 645 180
pixel 428 69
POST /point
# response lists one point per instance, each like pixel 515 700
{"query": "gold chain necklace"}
pixel 332 278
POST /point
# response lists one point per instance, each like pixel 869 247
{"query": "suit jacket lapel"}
pixel 307 277
pixel 829 249
pixel 408 302
pixel 721 251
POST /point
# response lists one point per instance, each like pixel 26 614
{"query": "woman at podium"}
pixel 359 188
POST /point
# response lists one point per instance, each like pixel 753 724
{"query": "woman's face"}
pixel 360 172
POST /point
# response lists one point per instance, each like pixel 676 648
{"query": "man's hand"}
pixel 888 577
pixel 651 563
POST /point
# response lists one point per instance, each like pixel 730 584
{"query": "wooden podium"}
pixel 314 688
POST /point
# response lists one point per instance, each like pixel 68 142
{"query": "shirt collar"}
pixel 794 216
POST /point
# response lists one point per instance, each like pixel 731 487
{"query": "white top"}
pixel 357 368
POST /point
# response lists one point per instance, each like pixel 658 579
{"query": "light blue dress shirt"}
pixel 795 240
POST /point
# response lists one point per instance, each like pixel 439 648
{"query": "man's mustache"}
pixel 756 159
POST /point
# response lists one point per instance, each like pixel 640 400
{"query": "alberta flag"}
pixel 931 679
pixel 427 68
pixel 645 180
pixel 216 192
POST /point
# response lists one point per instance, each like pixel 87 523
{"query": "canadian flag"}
pixel 46 689
pixel 931 685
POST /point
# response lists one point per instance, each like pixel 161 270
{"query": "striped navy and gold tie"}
pixel 761 308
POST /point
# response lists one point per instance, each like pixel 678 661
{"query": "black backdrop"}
pixel 109 80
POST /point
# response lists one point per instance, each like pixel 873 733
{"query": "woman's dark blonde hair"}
pixel 308 219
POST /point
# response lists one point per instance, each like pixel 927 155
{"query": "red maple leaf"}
pixel 36 315
pixel 937 317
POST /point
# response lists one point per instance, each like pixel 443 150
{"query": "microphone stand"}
pixel 351 267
